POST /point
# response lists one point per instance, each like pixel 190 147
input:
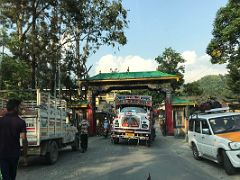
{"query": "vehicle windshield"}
pixel 134 109
pixel 225 124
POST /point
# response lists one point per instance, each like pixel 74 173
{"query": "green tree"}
pixel 210 86
pixel 234 78
pixel 15 74
pixel 3 41
pixel 45 32
pixel 215 86
pixel 24 19
pixel 170 62
pixel 224 46
pixel 192 89
pixel 91 24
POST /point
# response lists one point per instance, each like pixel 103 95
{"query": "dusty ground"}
pixel 168 158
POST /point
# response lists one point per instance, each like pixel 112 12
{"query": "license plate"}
pixel 130 134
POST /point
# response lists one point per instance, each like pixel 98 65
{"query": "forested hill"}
pixel 215 86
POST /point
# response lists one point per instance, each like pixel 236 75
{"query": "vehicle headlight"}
pixel 116 123
pixel 234 145
pixel 144 126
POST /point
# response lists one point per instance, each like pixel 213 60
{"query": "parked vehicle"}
pixel 215 135
pixel 48 126
pixel 134 119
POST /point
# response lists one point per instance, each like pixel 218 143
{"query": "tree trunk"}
pixel 33 84
pixel 53 80
pixel 34 59
pixel 19 24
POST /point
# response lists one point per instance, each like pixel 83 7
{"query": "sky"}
pixel 184 25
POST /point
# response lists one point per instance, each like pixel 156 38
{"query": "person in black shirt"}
pixel 12 127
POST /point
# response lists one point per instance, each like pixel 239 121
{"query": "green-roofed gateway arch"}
pixel 106 82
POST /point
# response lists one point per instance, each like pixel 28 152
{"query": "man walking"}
pixel 12 127
pixel 106 127
pixel 84 125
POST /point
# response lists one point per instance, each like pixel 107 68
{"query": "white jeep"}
pixel 215 135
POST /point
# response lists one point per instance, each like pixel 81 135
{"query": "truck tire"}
pixel 149 142
pixel 153 134
pixel 52 154
pixel 76 143
pixel 195 152
pixel 230 170
pixel 115 140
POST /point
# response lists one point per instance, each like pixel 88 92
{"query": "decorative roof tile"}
pixel 132 75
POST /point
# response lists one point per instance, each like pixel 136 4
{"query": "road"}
pixel 168 158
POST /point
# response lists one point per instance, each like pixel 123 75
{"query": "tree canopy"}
pixel 15 74
pixel 210 86
pixel 53 36
pixel 192 89
pixel 170 62
pixel 225 44
pixel 214 86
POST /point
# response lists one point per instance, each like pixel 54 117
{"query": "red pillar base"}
pixel 89 114
pixel 169 118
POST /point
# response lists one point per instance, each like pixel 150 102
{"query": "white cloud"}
pixel 195 67
pixel 189 56
pixel 135 64
pixel 200 66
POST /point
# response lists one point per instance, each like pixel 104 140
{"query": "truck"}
pixel 48 126
pixel 133 119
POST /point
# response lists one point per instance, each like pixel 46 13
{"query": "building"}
pixel 180 112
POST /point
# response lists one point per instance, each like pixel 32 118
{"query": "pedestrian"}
pixel 106 127
pixel 84 125
pixel 98 127
pixel 163 127
pixel 12 128
pixel 105 123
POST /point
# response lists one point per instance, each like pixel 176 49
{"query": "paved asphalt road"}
pixel 169 158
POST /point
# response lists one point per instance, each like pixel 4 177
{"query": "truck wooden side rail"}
pixel 48 127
